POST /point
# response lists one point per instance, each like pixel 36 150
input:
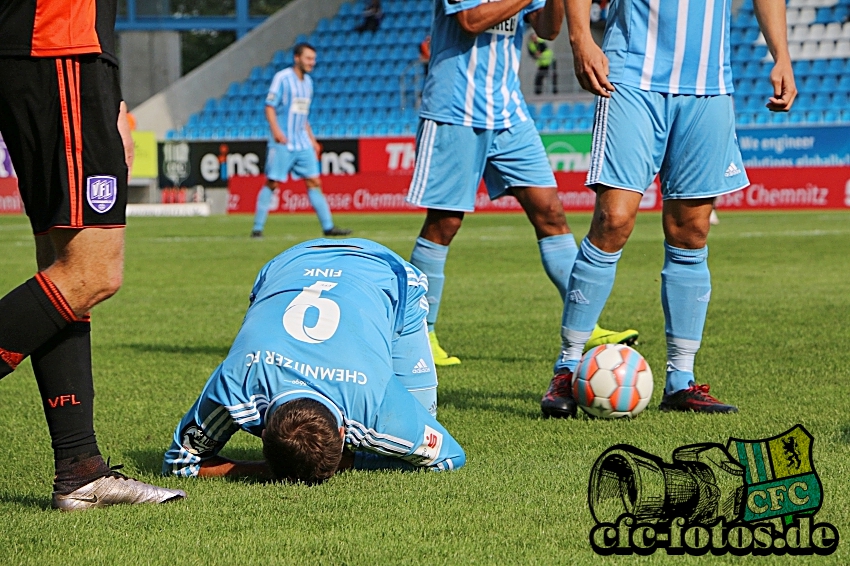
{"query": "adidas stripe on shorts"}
pixel 689 141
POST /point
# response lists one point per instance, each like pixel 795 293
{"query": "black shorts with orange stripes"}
pixel 59 120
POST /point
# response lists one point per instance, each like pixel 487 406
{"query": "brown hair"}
pixel 302 442
pixel 300 47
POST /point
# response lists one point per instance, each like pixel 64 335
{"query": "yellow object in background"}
pixel 144 165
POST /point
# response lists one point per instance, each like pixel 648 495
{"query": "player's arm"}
pixel 317 147
pixel 273 98
pixel 126 137
pixel 591 64
pixel 771 17
pixel 406 436
pixel 484 16
pixel 219 467
pixel 200 435
pixel 271 117
pixel 547 20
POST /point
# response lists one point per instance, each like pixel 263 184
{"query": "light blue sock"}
pixel 558 254
pixel 320 205
pixel 430 258
pixel 264 203
pixel 685 293
pixel 591 282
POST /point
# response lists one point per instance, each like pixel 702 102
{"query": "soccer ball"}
pixel 611 381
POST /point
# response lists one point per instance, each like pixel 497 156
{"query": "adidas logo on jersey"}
pixel 732 170
pixel 421 367
pixel 576 296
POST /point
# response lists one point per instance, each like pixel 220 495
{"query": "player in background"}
pixel 664 105
pixel 474 123
pixel 65 126
pixel 333 352
pixel 293 147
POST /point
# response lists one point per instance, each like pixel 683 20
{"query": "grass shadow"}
pixel 31 501
pixel 525 404
pixel 844 434
pixel 220 351
pixel 150 461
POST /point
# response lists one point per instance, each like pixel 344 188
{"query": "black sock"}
pixel 74 473
pixel 62 368
pixel 29 316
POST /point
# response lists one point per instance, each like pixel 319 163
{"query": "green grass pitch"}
pixel 776 344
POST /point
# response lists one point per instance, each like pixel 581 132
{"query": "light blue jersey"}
pixel 291 97
pixel 676 47
pixel 324 323
pixel 473 80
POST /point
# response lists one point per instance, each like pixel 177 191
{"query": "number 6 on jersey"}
pixel 328 320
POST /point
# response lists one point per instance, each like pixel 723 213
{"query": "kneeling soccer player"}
pixel 333 351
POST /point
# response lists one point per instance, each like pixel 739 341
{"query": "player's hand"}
pixel 784 87
pixel 278 136
pixel 591 67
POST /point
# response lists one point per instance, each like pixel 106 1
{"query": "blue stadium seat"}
pixel 546 110
pixel 565 110
pixel 844 115
pixel 804 101
pixel 796 117
pixel 819 66
pixel 583 124
pixel 814 116
pixel 743 119
pixel 822 101
pixel 761 117
pixel 836 66
pixel 584 109
pixel 778 117
pixel 830 116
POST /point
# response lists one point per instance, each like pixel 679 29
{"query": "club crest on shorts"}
pixel 102 192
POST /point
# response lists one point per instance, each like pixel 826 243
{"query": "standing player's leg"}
pixel 450 161
pixel 323 211
pixel 626 155
pixel 685 294
pixel 590 284
pixel 264 203
pixel 279 161
pixel 703 161
pixel 85 266
pixel 306 166
pixel 72 175
pixel 429 254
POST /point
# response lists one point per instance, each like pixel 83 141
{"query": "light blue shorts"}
pixel 688 140
pixel 451 160
pixel 280 162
